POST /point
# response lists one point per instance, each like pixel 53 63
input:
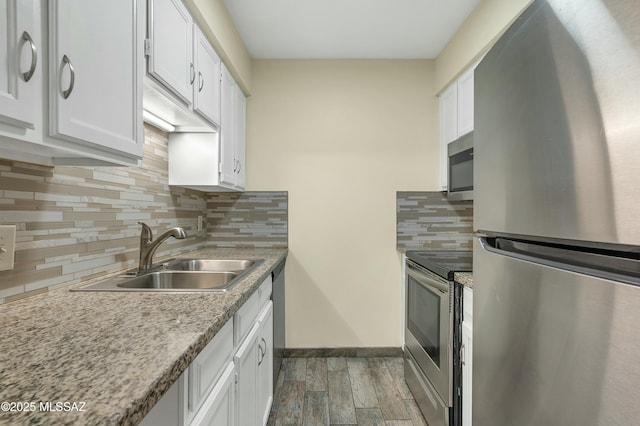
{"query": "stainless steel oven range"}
pixel 433 333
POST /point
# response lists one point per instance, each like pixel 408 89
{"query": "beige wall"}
pixel 342 136
pixel 215 22
pixel 482 28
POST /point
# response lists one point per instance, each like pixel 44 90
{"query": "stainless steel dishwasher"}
pixel 277 296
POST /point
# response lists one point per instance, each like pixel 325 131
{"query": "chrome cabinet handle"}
pixel 34 57
pixel 201 80
pixel 462 355
pixel 192 70
pixel 66 60
pixel 263 352
pixel 235 166
pixel 239 166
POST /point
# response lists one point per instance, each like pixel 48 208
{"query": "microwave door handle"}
pixel 443 288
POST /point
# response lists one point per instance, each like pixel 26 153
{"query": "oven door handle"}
pixel 427 280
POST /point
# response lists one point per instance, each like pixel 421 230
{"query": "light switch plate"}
pixel 7 246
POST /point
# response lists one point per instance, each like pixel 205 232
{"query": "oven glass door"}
pixel 429 322
pixel 423 318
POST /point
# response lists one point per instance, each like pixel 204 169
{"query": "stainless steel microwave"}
pixel 460 168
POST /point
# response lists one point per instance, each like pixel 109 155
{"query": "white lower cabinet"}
pixel 254 361
pixel 219 407
pixel 246 360
pixel 467 344
pixel 231 380
pixel 205 370
pixel 265 363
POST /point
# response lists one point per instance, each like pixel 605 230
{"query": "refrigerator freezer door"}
pixel 552 347
pixel 556 124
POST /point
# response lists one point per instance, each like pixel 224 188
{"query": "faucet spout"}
pixel 148 247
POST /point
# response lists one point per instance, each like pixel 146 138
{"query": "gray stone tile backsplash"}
pixel 76 223
pixel 249 219
pixel 429 221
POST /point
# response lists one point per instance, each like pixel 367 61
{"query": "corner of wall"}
pixel 488 21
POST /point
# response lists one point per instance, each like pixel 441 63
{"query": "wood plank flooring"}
pixel 343 391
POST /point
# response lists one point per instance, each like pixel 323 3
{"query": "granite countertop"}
pixel 464 278
pixel 112 353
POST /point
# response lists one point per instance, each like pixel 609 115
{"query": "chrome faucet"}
pixel 149 247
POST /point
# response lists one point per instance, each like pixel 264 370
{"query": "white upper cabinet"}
pixel 171 47
pixel 465 102
pixel 456 117
pixel 184 64
pixel 228 164
pixel 189 87
pixel 206 89
pixel 71 81
pixel 241 137
pixel 213 161
pixel 233 132
pixel 20 73
pixel 448 128
pixel 96 89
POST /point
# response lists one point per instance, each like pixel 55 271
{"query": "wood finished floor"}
pixel 343 391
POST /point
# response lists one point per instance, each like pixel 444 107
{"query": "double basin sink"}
pixel 179 275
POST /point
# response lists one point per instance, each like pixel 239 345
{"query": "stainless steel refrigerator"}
pixel 557 215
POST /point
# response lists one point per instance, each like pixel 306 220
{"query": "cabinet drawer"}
pixel 208 366
pixel 265 291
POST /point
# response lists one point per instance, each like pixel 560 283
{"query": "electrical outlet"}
pixel 7 246
pixel 199 223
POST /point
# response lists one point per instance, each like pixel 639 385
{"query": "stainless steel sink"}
pixel 180 275
pixel 174 280
pixel 225 265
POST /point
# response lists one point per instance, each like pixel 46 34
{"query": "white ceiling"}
pixel 395 29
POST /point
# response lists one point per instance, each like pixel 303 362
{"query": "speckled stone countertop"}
pixel 115 352
pixel 464 278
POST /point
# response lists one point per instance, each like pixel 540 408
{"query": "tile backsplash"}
pixel 76 223
pixel 249 219
pixel 429 221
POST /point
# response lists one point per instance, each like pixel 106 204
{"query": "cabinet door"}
pixel 467 342
pixel 465 102
pixel 171 56
pixel 20 62
pixel 448 104
pixel 219 407
pixel 246 360
pixel 168 411
pixel 467 373
pixel 205 371
pixel 241 138
pixel 206 91
pixel 265 363
pixel 228 129
pixel 95 78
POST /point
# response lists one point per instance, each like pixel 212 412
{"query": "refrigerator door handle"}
pixel 608 263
